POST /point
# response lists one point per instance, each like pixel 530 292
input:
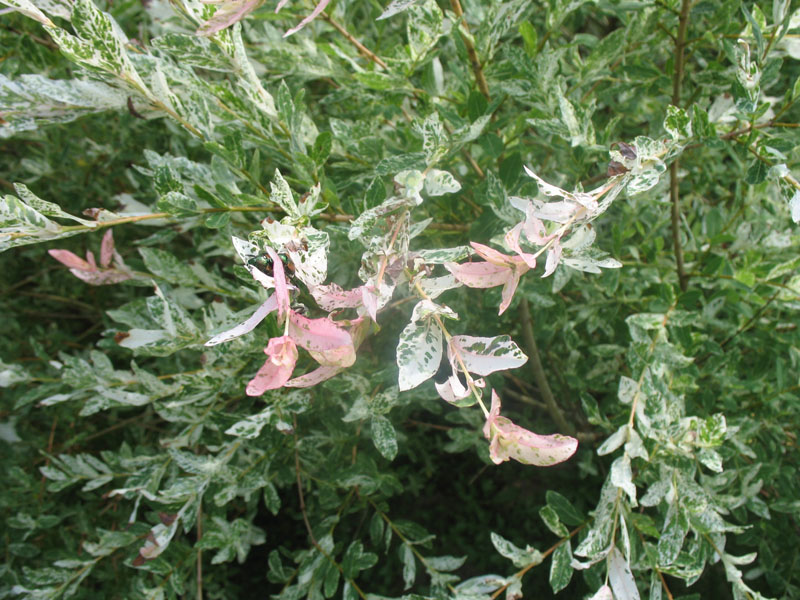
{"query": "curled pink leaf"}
pixel 229 12
pixel 277 369
pixel 534 229
pixel 281 289
pixel 479 274
pixel 512 239
pixel 318 375
pixel 500 269
pixel 70 259
pixel 508 440
pixel 333 297
pixel 87 270
pixel 107 249
pixel 323 336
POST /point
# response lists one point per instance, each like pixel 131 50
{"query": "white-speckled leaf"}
pixel 485 355
pixel 282 195
pixel 28 9
pixel 395 7
pixel 419 353
pixel 32 100
pixel 438 183
pixel 621 577
pixel 384 436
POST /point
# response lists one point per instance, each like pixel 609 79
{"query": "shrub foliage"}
pixel 356 273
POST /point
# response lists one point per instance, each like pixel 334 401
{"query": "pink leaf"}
pixel 277 369
pixel 107 249
pixel 316 376
pixel 501 269
pixel 318 335
pixel 281 290
pixel 246 327
pixel 512 239
pixel 512 441
pixel 107 277
pixel 70 259
pixel 332 297
pixel 534 229
pixel 508 290
pixel 492 255
pixel 227 14
pixel 314 14
pixel 479 274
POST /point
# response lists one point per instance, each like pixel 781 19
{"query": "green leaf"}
pixel 218 220
pixel 322 147
pixel 356 560
pixel 564 508
pixel 677 123
pixel 550 518
pixel 529 38
pixel 561 567
pixel 756 172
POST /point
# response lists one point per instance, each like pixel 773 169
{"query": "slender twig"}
pixel 300 496
pixel 545 554
pixel 314 542
pixel 366 52
pixel 664 585
pixel 538 370
pixel 62 299
pixel 752 319
pixel 96 226
pixel 199 552
pixel 406 541
pixel 49 453
pixel 471 52
pixel 431 425
pixel 674 192
pixel 526 399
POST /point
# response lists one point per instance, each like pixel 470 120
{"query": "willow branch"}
pixel 366 52
pixel 674 192
pixel 471 52
pixel 538 370
pixel 199 552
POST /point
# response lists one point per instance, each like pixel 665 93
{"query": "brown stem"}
pixel 471 52
pixel 674 192
pixel 366 52
pixel 664 585
pixel 538 371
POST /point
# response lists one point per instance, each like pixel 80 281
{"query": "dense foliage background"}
pixel 136 466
